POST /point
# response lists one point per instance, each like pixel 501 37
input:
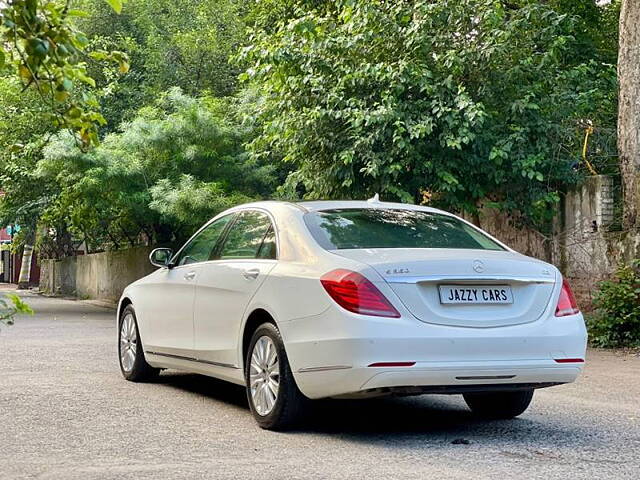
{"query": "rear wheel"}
pixel 274 398
pixel 499 405
pixel 133 365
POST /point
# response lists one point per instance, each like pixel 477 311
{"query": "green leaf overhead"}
pixel 116 5
pixel 41 43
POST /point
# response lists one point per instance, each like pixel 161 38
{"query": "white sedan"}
pixel 350 299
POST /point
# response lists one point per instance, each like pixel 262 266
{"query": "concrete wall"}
pixel 580 244
pixel 583 247
pixel 46 275
pixel 101 276
pixel 508 230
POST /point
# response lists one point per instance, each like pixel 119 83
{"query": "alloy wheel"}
pixel 264 375
pixel 128 342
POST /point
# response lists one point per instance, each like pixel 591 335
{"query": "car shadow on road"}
pixel 209 387
pixel 439 418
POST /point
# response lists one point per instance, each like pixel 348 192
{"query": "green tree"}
pixel 458 102
pixel 176 164
pixel 184 44
pixel 22 135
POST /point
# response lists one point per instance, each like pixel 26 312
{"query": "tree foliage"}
pixel 457 102
pixel 176 164
pixel 39 41
pixel 185 44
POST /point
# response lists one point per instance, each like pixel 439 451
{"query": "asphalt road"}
pixel 66 413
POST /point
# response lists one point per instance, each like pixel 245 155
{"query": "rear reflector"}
pixel 393 364
pixel 566 302
pixel 569 360
pixel 355 293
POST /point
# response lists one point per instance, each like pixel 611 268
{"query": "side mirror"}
pixel 160 257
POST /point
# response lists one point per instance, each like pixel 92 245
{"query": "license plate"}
pixel 475 294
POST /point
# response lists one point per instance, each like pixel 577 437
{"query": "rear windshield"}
pixel 359 228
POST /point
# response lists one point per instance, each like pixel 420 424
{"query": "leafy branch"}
pixel 10 307
pixel 39 41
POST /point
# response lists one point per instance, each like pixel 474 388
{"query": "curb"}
pixel 110 305
pixel 100 303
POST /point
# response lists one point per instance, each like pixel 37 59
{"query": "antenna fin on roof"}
pixel 374 199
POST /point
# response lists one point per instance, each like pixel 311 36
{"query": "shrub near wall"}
pixel 616 322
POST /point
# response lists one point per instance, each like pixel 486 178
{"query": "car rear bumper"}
pixel 427 378
pixel 338 353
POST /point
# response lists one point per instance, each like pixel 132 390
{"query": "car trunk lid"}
pixel 416 275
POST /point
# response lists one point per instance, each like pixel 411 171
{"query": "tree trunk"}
pixel 629 110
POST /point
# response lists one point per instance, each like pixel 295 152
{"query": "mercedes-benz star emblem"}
pixel 478 266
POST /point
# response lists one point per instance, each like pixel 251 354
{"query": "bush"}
pixel 616 322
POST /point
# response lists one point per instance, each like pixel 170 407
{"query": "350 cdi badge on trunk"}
pixel 301 301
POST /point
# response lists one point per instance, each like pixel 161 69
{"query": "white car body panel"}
pixel 531 282
pixel 167 324
pixel 222 295
pixel 329 348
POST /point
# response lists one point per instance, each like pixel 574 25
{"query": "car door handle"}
pixel 190 276
pixel 251 274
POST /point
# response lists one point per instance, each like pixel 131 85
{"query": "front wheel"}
pixel 499 405
pixel 274 398
pixel 133 365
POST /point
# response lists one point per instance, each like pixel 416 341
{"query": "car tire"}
pixel 288 404
pixel 499 405
pixel 133 365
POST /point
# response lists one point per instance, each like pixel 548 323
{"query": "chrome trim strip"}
pixel 487 377
pixel 467 278
pixel 324 369
pixel 191 359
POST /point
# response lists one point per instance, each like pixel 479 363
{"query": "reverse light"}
pixel 355 293
pixel 566 302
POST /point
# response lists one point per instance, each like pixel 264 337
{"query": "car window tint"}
pixel 245 236
pixel 393 228
pixel 201 246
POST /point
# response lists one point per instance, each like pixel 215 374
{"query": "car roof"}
pixel 318 205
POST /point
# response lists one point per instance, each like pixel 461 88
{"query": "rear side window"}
pixel 249 237
pixel 387 228
pixel 268 249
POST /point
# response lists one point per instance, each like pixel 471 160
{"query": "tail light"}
pixel 355 293
pixel 566 303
